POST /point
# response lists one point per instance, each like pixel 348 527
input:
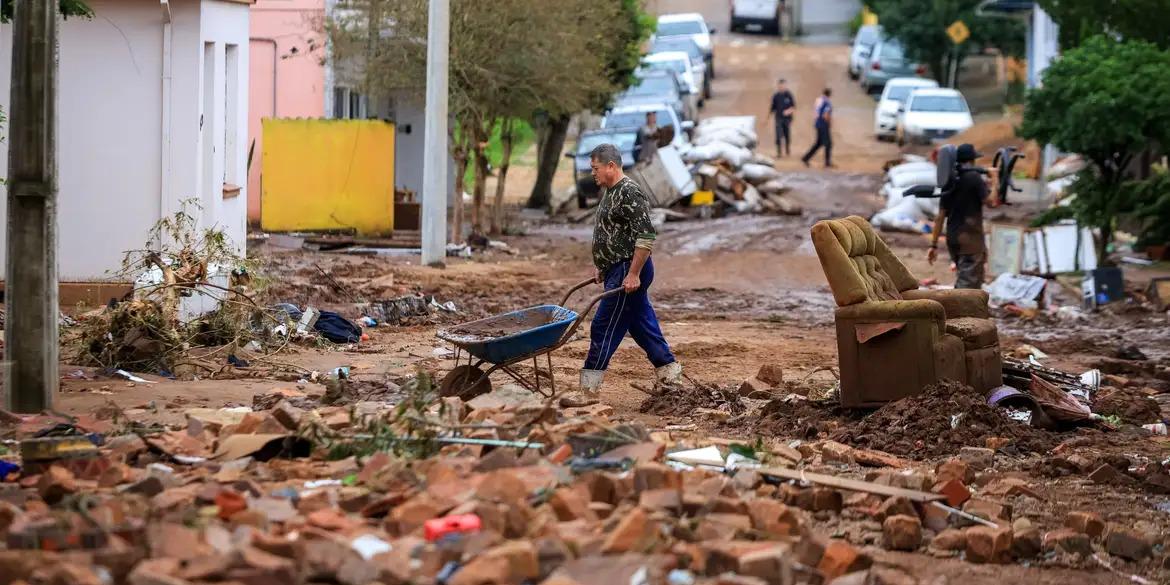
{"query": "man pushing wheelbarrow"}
pixel 623 239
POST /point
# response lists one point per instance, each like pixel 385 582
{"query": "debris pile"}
pixel 944 418
pixel 503 489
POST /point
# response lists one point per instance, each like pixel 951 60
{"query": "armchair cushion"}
pixel 975 333
pixel 857 263
pixel 884 311
pixel 958 302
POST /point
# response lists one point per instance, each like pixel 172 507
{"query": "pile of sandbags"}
pixel 902 213
pixel 727 138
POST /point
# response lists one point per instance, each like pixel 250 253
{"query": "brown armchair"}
pixel 892 338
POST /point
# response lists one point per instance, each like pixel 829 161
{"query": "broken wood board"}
pixel 854 485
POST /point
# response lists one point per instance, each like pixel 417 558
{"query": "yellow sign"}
pixel 868 17
pixel 328 175
pixel 958 32
pixel 702 198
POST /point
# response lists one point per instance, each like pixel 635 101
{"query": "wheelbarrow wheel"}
pixel 466 382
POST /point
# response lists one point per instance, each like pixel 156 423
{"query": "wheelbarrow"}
pixel 506 340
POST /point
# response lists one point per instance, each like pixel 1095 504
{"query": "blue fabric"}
pixel 825 106
pixel 626 312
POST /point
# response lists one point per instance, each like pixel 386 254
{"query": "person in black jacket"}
pixel 961 209
pixel 783 107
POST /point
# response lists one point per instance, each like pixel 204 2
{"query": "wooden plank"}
pixel 850 484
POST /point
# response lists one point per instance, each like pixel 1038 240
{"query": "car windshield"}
pixel 938 103
pixel 891 50
pixel 685 45
pixel 898 93
pixel 638 119
pixel 623 140
pixel 867 35
pixel 653 85
pixel 679 27
pixel 675 66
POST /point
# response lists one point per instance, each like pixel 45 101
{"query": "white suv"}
pixel 761 13
pixel 690 25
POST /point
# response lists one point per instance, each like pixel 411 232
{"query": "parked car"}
pixel 867 37
pixel 885 115
pixel 933 114
pixel 679 64
pixel 626 139
pixel 655 87
pixel 689 25
pixel 887 61
pixel 764 14
pixel 688 46
pixel 624 116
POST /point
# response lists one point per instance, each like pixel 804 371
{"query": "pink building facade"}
pixel 288 74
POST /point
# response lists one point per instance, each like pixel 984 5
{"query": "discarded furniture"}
pixel 892 338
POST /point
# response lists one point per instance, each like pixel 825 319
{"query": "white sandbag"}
pixel 751 201
pixel 756 174
pixel 734 155
pixel 911 178
pixel 905 216
pixel 894 195
pixel 728 135
pixel 914 168
pixel 772 186
pixel 928 206
pixel 1059 186
pixel 1066 166
pixel 762 159
pixel 745 123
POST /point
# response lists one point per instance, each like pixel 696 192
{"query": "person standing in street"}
pixel 823 125
pixel 648 136
pixel 783 107
pixel 961 209
pixel 623 239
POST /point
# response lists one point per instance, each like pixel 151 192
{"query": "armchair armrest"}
pixel 959 302
pixel 906 310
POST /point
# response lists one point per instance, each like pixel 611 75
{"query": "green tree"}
pixel 1128 19
pixel 1104 100
pixel 920 25
pixel 620 49
pixel 509 59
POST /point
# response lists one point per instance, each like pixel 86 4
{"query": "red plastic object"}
pixel 439 527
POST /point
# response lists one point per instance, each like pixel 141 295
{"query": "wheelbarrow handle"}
pixel 585 313
pixel 575 289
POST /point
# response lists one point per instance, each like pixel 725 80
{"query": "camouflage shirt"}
pixel 623 223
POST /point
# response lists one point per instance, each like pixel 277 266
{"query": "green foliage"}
pixel 408 431
pixel 1104 100
pixel 1152 207
pixel 1080 20
pixel 522 136
pixel 67 8
pixel 921 27
pixel 854 23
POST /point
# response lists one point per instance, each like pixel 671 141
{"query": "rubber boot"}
pixel 589 391
pixel 670 373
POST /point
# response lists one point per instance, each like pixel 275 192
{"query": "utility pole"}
pixel 435 156
pixel 30 337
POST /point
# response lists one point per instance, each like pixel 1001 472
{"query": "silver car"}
pixel 887 61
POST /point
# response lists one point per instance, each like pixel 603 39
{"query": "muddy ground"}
pixel 733 294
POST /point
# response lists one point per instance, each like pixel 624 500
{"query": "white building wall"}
pixel 111 126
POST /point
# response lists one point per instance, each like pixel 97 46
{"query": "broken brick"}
pixel 956 493
pixel 988 510
pixel 571 504
pixel 901 532
pixel 1128 544
pixel 635 533
pixel 771 374
pixel 1088 523
pixel 229 502
pixel 770 564
pixel 56 483
pixel 654 476
pixel 512 562
pixel 1067 540
pixel 1109 475
pixel 668 499
pixel 988 545
pixel 774 518
pixel 894 506
pixel 755 389
pixel 954 469
pixel 1026 542
pixel 834 452
pixel 840 558
pixel 978 458
pixel 951 539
